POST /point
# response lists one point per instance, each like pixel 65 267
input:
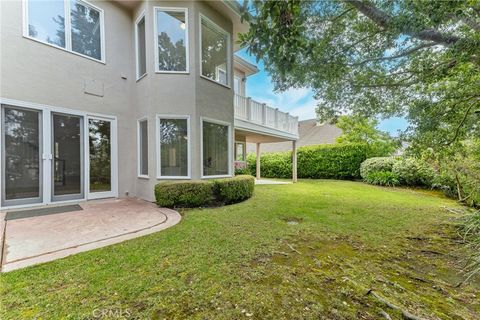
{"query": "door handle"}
pixel 47 156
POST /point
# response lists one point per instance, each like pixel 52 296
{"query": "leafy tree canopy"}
pixel 364 130
pixel 416 59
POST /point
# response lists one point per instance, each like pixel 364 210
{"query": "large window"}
pixel 140 47
pixel 74 25
pixel 215 48
pixel 143 148
pixel 171 36
pixel 239 151
pixel 174 147
pixel 216 149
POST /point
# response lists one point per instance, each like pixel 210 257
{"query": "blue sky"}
pixel 298 102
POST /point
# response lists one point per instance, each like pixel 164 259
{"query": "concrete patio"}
pixel 39 239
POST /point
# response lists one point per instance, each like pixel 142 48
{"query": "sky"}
pixel 298 102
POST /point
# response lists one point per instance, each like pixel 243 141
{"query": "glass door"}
pixel 21 143
pixel 102 178
pixel 67 157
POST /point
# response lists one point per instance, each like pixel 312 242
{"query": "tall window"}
pixel 216 154
pixel 143 148
pixel 171 36
pixel 237 88
pixel 141 51
pixel 73 25
pixel 239 151
pixel 174 140
pixel 215 50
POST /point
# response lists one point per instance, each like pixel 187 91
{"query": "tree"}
pixel 416 59
pixel 363 130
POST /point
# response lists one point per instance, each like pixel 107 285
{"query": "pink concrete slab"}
pixel 102 222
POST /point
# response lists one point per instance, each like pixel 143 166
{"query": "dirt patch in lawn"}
pixel 341 277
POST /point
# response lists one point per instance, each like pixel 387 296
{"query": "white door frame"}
pixel 46 141
pixel 113 160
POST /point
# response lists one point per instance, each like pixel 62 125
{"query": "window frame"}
pixel 244 148
pixel 137 62
pixel 230 162
pixel 155 39
pixel 158 146
pixel 139 149
pixel 68 29
pixel 229 51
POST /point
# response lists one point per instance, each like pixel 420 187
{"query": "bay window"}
pixel 75 26
pixel 174 140
pixel 215 149
pixel 171 37
pixel 214 51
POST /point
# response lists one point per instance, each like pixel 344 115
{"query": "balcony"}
pixel 251 114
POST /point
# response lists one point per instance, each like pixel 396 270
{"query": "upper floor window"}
pixel 215 50
pixel 75 25
pixel 140 47
pixel 171 36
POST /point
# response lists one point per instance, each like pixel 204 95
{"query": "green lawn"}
pixel 305 251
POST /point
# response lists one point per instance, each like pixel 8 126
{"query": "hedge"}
pixel 376 164
pixel 196 193
pixel 232 190
pixel 325 161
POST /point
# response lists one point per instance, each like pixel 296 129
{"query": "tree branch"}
pixel 400 55
pixel 383 20
pixel 457 131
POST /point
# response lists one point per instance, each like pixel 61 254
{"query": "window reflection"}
pixel 174 147
pixel 100 155
pixel 171 40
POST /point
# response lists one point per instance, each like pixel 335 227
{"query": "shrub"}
pixel 329 161
pixel 232 190
pixel 377 164
pixel 184 193
pixel 382 178
pixel 241 171
pixel 413 172
pixel 204 192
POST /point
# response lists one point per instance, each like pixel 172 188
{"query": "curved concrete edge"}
pixel 172 218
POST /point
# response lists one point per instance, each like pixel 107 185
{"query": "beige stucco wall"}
pixel 39 73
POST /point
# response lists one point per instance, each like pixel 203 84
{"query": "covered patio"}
pixel 242 137
pixel 32 238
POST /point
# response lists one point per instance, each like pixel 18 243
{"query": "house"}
pixel 310 132
pixel 108 98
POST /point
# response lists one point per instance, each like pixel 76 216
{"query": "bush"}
pixel 241 171
pixel 382 178
pixel 329 161
pixel 377 164
pixel 413 172
pixel 204 192
pixel 184 193
pixel 232 190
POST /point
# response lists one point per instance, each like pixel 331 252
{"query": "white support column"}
pixel 294 161
pixel 258 161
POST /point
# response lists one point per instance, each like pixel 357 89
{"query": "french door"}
pixel 52 156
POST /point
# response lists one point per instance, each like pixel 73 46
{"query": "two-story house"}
pixel 108 98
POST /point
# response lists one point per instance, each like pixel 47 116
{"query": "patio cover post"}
pixel 294 161
pixel 258 161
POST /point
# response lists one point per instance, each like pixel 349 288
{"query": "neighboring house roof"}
pixel 310 133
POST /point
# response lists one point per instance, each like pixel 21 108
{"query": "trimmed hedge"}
pixel 324 161
pixel 196 193
pixel 413 172
pixel 184 193
pixel 233 190
pixel 376 164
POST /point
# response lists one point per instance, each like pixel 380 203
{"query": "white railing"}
pixel 259 113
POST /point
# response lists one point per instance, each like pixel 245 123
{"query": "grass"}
pixel 305 251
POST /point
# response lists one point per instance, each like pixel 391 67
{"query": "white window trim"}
pixel 230 151
pixel 137 67
pixel 229 53
pixel 68 30
pixel 158 144
pixel 240 85
pixel 139 151
pixel 155 39
pixel 47 110
pixel 244 151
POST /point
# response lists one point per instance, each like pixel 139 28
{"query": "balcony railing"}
pixel 253 111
